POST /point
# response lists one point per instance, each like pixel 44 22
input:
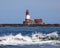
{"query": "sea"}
pixel 23 37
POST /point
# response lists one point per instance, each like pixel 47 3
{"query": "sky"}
pixel 13 11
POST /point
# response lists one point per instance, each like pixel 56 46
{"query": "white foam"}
pixel 19 39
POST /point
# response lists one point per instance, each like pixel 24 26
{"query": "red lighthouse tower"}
pixel 27 19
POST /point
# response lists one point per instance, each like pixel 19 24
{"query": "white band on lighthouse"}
pixel 27 16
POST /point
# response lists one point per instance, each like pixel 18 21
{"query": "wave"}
pixel 37 38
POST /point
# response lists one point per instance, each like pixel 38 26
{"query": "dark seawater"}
pixel 28 31
pixel 31 46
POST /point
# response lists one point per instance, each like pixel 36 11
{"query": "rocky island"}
pixel 29 25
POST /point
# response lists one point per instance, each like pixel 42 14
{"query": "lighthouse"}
pixel 27 19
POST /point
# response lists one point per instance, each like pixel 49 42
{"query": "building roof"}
pixel 38 20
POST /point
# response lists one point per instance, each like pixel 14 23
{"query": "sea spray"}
pixel 37 38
